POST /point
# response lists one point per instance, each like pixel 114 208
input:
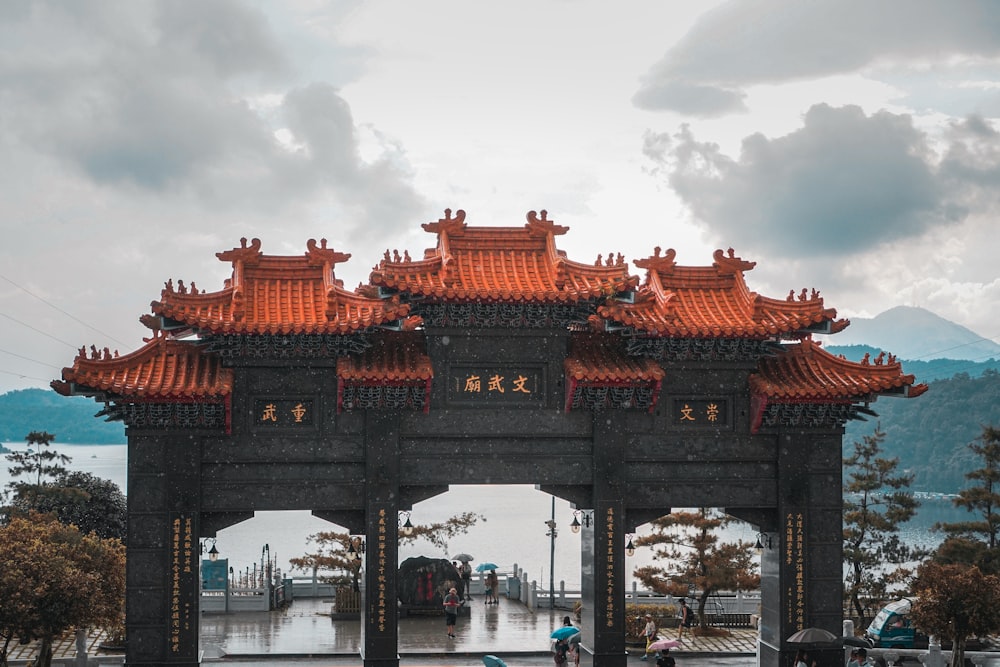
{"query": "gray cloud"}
pixel 151 98
pixel 747 42
pixel 842 184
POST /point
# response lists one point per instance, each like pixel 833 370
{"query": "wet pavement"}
pixel 305 635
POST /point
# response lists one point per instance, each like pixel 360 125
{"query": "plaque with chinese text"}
pixel 701 412
pixel 485 385
pixel 284 413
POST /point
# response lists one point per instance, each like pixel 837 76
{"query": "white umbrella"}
pixel 812 636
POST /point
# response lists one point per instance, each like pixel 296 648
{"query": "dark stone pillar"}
pixel 162 577
pixel 608 609
pixel 379 610
pixel 801 580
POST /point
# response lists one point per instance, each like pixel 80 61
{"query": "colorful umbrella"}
pixel 663 645
pixel 493 661
pixel 482 567
pixel 565 632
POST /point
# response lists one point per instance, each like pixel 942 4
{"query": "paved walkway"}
pixel 305 632
pixel 305 629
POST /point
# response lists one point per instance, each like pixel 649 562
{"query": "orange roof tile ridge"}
pixel 730 263
pixel 657 263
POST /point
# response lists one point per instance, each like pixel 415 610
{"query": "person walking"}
pixel 687 618
pixel 451 604
pixel 649 632
pixel 573 641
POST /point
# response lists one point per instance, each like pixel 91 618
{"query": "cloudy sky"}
pixel 843 145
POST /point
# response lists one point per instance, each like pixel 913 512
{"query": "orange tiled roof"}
pixel 163 368
pixel 598 358
pixel 807 372
pixel 278 295
pixel 501 264
pixel 714 301
pixel 393 358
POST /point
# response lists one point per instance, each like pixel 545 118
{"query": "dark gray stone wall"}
pixel 289 449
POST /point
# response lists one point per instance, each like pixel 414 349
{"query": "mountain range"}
pixel 916 334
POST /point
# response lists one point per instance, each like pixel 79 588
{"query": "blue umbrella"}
pixel 565 632
pixel 493 661
pixel 482 567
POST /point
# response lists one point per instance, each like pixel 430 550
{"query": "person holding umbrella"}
pixel 564 637
pixel 465 571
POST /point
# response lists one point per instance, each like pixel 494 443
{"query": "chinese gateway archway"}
pixel 284 391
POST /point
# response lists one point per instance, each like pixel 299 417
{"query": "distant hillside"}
pixel 929 434
pixel 71 419
pixel 916 333
pixel 925 371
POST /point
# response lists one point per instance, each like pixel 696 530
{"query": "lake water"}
pixel 514 530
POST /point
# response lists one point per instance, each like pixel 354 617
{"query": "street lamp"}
pixel 586 515
pixel 762 540
pixel 551 523
pixel 629 547
pixel 407 527
pixel 213 553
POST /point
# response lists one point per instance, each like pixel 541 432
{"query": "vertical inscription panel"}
pixel 793 560
pixel 182 634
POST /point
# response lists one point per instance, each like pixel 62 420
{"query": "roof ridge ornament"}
pixel 539 226
pixel 246 254
pixel 447 224
pixel 658 263
pixel 729 263
pixel 317 255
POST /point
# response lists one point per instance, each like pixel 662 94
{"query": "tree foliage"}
pixel 687 541
pixel 339 554
pixel 40 466
pixel 876 503
pixel 976 540
pixel 90 503
pixel 955 602
pixel 55 578
pixel 931 432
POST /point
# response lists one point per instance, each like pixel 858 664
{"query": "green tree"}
pixel 339 554
pixel 955 602
pixel 53 579
pixel 90 503
pixel 876 503
pixel 976 541
pixel 687 541
pixel 41 466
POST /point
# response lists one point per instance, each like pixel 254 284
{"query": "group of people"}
pixel 651 634
pixel 492 582
pixel 452 601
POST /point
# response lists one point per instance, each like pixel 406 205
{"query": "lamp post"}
pixel 551 523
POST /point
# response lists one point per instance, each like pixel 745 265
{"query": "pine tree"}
pixel 876 503
pixel 42 466
pixel 688 541
pixel 977 541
